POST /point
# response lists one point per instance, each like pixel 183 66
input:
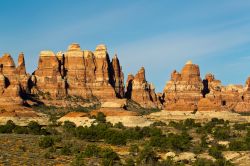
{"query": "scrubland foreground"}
pixel 185 142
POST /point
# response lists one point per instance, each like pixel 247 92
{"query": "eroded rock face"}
pixel 47 78
pixel 140 91
pixel 118 77
pixel 186 92
pixel 183 91
pixel 79 73
pixel 13 81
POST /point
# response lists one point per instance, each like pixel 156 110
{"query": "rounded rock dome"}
pixel 74 47
pixel 101 47
pixel 189 62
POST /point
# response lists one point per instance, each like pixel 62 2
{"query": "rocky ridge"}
pixel 93 75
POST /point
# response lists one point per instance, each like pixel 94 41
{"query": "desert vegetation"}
pixel 106 144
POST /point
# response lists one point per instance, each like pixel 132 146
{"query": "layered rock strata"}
pixel 183 91
pixel 140 91
pixel 13 81
pixel 79 73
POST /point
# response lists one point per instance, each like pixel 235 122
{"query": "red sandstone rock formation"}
pixel 79 73
pixel 118 77
pixel 89 74
pixel 13 81
pixel 140 91
pixel 183 91
pixel 48 78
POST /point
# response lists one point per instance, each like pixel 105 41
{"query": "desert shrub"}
pixel 8 127
pixel 242 126
pixel 92 151
pixel 109 157
pixel 115 137
pixel 78 160
pixel 66 150
pixel 159 141
pixel 21 130
pixel 158 123
pixel 180 142
pixel 222 133
pixel 68 125
pixel 46 142
pixel 147 156
pixel 217 121
pixel 52 130
pixel 204 143
pixel 133 149
pixel 100 117
pixel 119 125
pixel 35 128
pixel 222 162
pixel 168 162
pixel 184 125
pixel 238 145
pixel 203 162
pixel 92 133
pixel 215 152
pixel 177 125
pixel 52 149
pixel 48 155
pixel 129 162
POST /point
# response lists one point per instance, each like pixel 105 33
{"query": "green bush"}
pixel 66 150
pixel 242 126
pixel 158 123
pixel 48 155
pixel 100 117
pixel 133 149
pixel 92 151
pixel 222 162
pixel 238 145
pixel 180 142
pixel 222 133
pixel 168 162
pixel 21 130
pixel 8 127
pixel 46 142
pixel 34 128
pixel 215 152
pixel 109 157
pixel 119 125
pixel 115 137
pixel 203 162
pixel 129 162
pixel 78 160
pixel 159 141
pixel 68 125
pixel 147 156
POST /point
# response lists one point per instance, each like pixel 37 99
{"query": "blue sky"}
pixel 159 35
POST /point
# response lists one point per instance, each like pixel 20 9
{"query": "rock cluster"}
pixel 13 80
pixel 93 75
pixel 79 73
pixel 140 91
pixel 183 91
pixel 187 92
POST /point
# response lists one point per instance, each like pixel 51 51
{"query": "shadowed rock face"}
pixel 118 77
